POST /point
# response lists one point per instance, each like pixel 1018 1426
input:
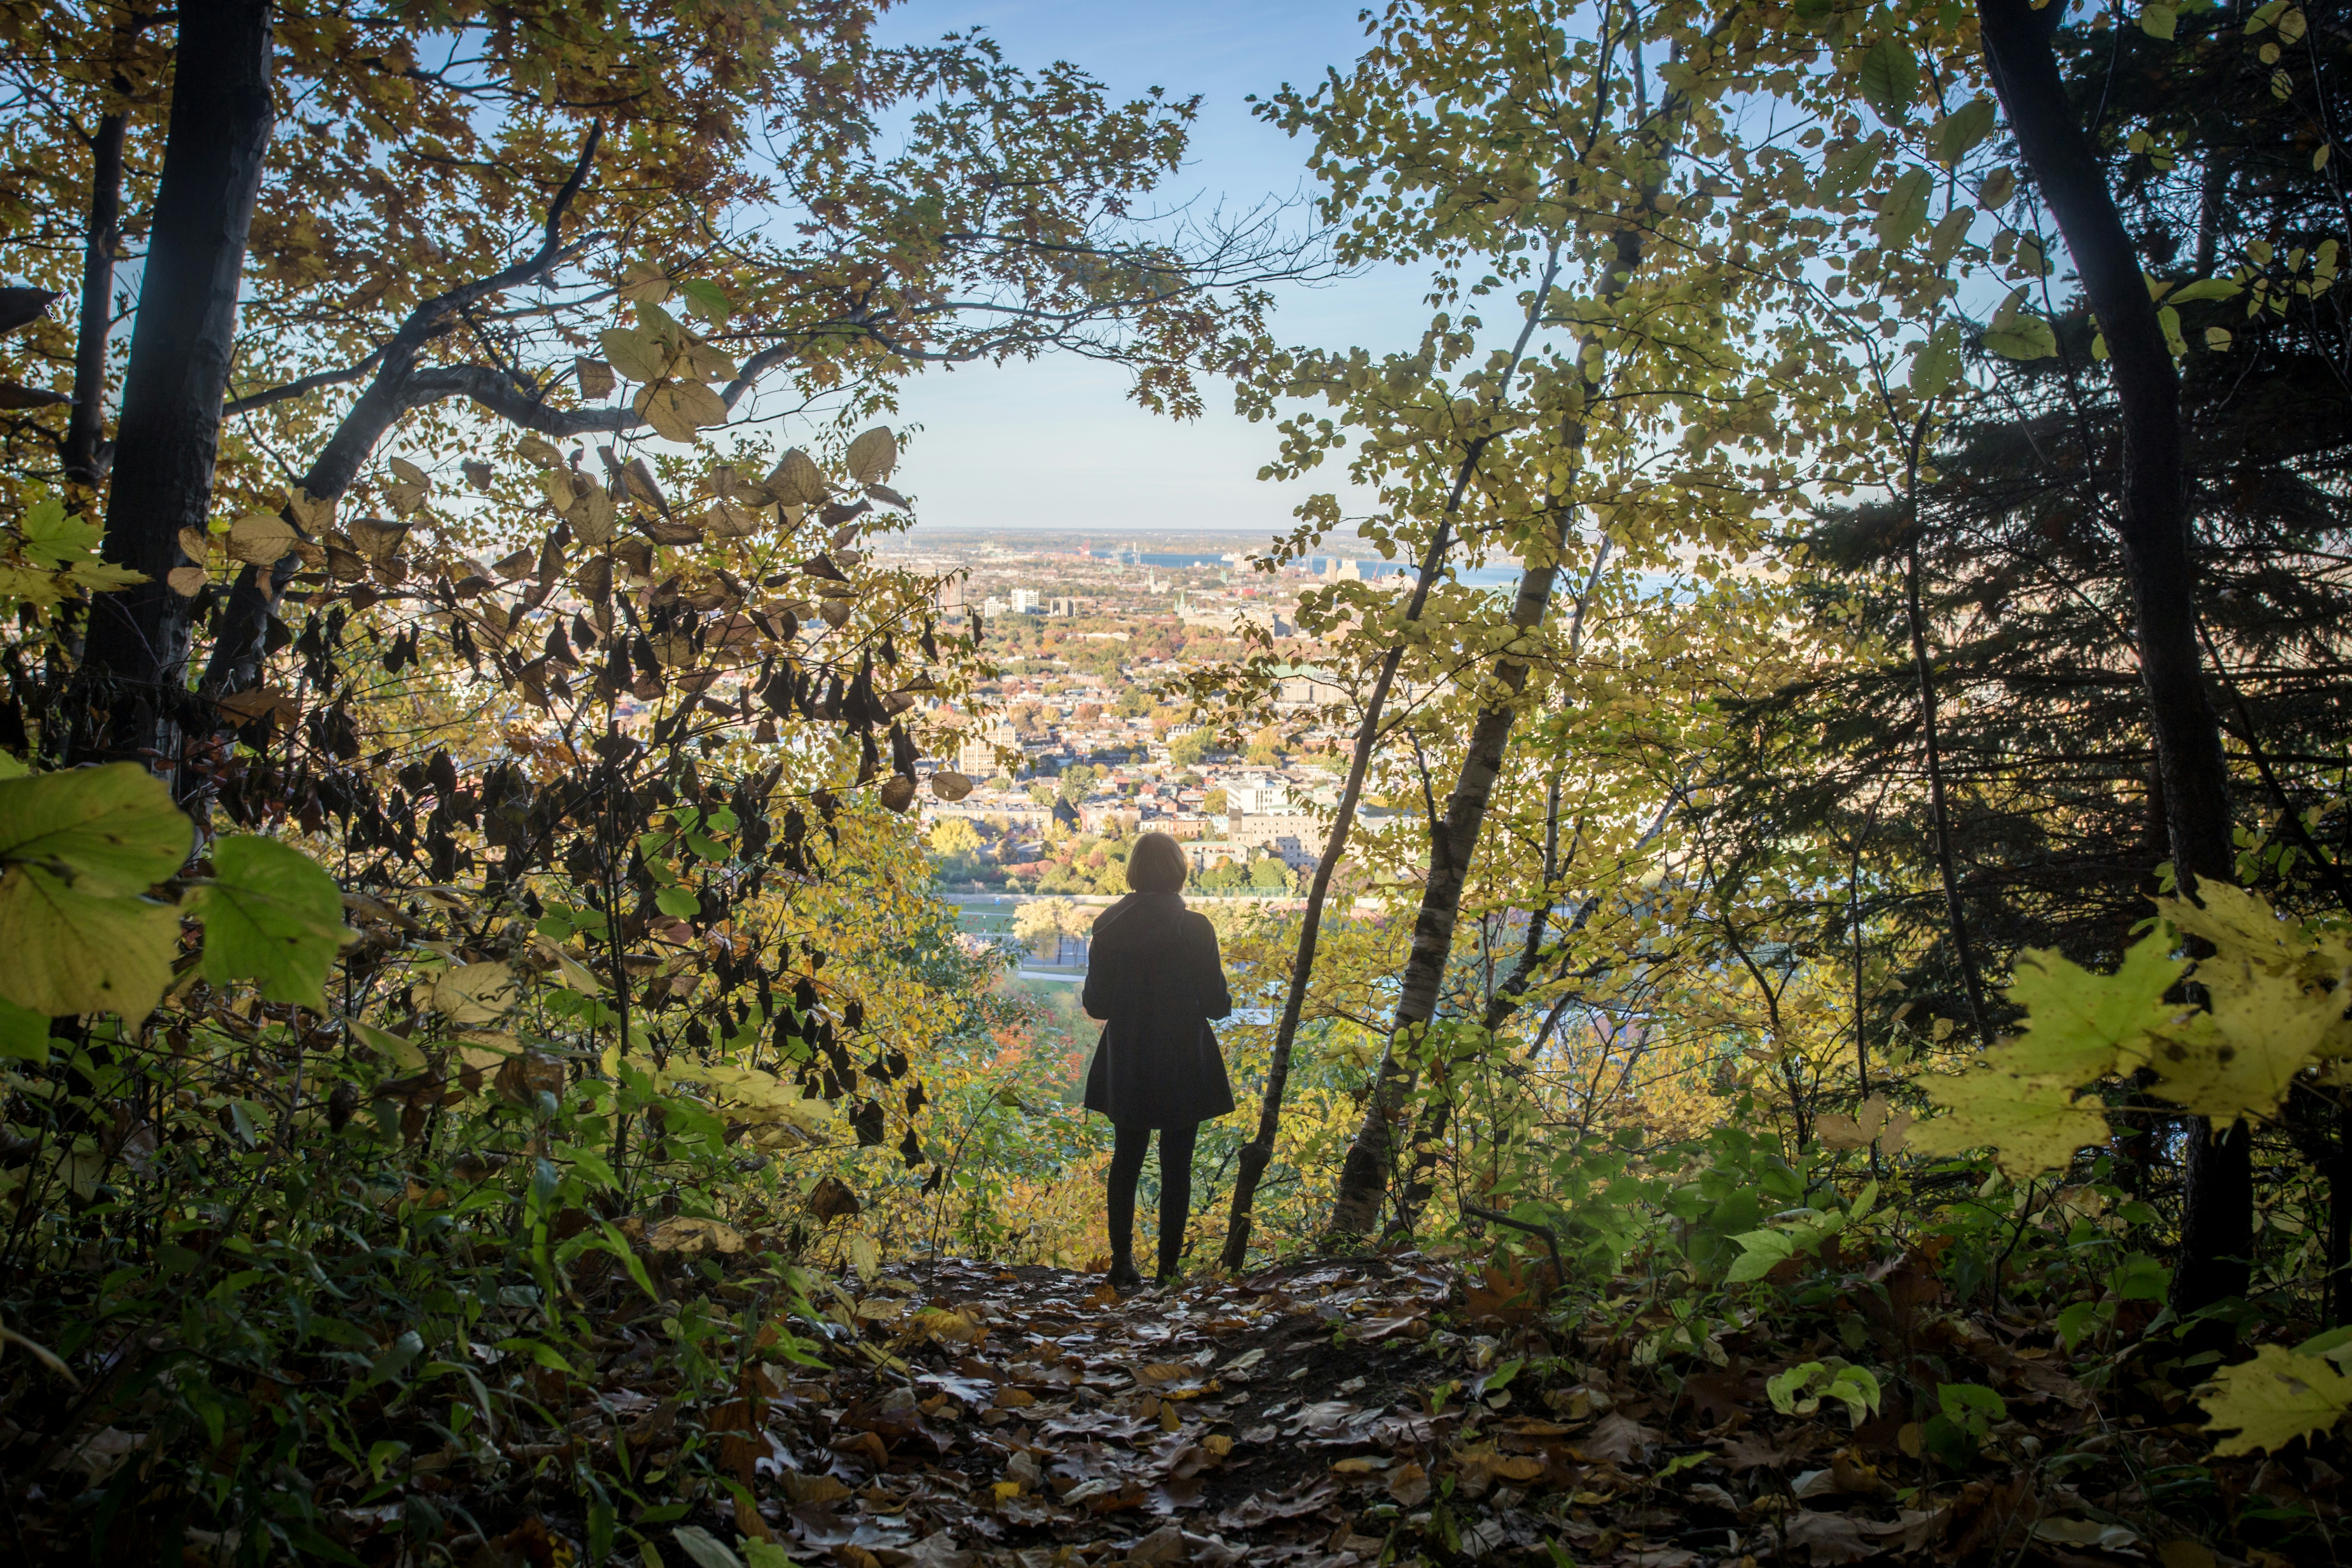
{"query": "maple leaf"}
pixel 2032 1121
pixel 2272 1400
pixel 2078 1021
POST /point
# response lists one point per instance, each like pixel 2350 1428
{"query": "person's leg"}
pixel 1175 1193
pixel 1128 1147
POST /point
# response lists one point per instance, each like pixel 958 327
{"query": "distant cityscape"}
pixel 1079 756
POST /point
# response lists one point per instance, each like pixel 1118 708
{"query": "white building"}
pixel 1257 796
pixel 976 757
pixel 1024 601
pixel 1292 837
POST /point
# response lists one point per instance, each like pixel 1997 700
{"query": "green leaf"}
pixel 2031 1124
pixel 1905 210
pixel 2205 288
pixel 400 1052
pixel 1890 78
pixel 2158 18
pixel 1959 132
pixel 678 902
pixel 1762 1250
pixel 2077 1022
pixel 1951 233
pixel 23 1034
pixel 395 1358
pixel 1842 171
pixel 273 916
pixel 110 830
pixel 705 300
pixel 707 1550
pixel 53 538
pixel 1783 1387
pixel 2075 1323
pixel 1937 363
pixel 2025 337
pixel 70 951
pixel 2272 1400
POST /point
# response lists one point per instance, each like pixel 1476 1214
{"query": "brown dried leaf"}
pixel 1828 1538
pixel 796 481
pixel 260 538
pixel 268 703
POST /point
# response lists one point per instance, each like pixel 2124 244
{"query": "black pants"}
pixel 1128 1149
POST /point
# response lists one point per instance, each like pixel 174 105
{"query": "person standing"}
pixel 1155 980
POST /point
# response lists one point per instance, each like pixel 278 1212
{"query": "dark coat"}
pixel 1155 976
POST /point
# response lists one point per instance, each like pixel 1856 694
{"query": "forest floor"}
pixel 1337 1412
pixel 1327 1414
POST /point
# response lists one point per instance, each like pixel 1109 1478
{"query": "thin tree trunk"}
pixel 1938 811
pixel 1364 1175
pixel 1363 1178
pixel 84 453
pixel 182 343
pixel 2217 1221
pixel 1258 1152
pixel 1429 1129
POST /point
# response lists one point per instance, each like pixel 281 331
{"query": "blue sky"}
pixel 1057 445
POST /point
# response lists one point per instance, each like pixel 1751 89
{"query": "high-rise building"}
pixel 1024 601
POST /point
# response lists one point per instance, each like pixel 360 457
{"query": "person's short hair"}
pixel 1156 865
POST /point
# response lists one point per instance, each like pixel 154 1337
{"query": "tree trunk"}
pixel 1363 1177
pixel 1258 1152
pixel 84 452
pixel 1939 812
pixel 2216 1230
pixel 181 345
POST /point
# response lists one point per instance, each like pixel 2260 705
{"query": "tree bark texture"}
pixel 2216 1230
pixel 1258 1152
pixel 182 343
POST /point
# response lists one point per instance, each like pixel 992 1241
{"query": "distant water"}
pixel 1373 570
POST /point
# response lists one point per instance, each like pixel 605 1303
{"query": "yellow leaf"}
pixel 2239 1059
pixel 691 1237
pixel 475 993
pixel 2076 1021
pixel 260 539
pixel 2030 1123
pixel 71 951
pixel 2272 1400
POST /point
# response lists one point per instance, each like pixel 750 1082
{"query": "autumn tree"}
pixel 434 265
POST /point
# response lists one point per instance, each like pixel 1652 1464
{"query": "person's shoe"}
pixel 1125 1279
